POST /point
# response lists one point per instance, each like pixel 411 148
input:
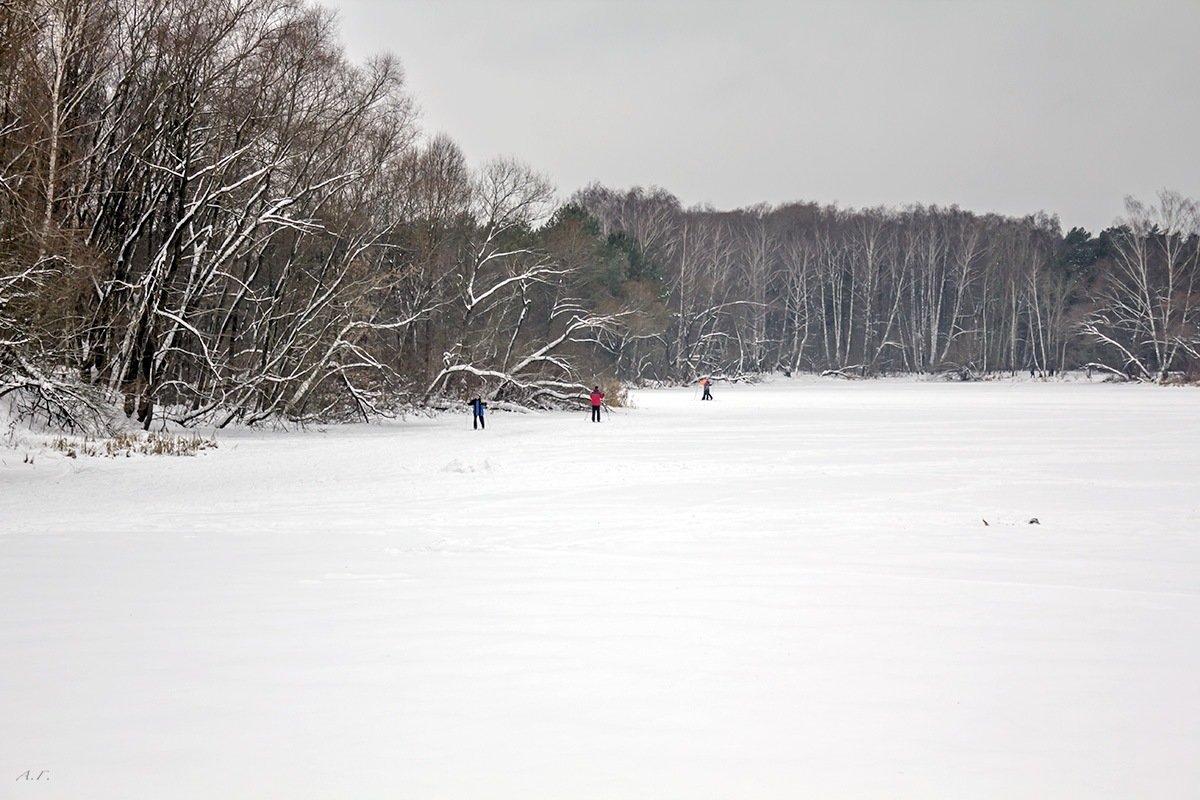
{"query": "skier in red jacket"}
pixel 597 399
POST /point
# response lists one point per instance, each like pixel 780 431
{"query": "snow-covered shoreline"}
pixel 787 592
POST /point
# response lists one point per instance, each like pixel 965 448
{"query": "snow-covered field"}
pixel 787 592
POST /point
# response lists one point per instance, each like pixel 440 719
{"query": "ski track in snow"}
pixel 787 592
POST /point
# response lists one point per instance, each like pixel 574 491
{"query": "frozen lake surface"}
pixel 787 592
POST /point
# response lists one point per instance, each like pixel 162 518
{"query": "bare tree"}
pixel 1146 309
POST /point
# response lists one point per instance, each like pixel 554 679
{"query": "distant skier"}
pixel 597 400
pixel 477 409
pixel 707 384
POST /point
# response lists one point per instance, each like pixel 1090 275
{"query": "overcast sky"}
pixel 1012 106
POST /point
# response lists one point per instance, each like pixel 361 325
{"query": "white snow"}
pixel 787 592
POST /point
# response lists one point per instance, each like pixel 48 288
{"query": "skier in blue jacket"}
pixel 477 409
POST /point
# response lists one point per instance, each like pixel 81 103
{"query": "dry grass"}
pixel 129 444
pixel 615 392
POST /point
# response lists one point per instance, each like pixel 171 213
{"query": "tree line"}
pixel 208 214
pixel 913 290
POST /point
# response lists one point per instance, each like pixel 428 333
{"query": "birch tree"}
pixel 1146 307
